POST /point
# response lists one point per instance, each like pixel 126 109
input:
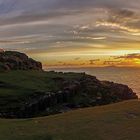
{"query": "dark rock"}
pixel 12 60
pixel 62 101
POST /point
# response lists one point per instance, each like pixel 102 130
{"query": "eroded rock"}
pixel 12 60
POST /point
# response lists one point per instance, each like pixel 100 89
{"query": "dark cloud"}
pixel 110 62
pixel 77 58
pixel 120 15
pixel 40 24
pixel 60 62
pixel 135 23
pixel 93 61
pixel 31 17
pixel 129 56
pixel 121 20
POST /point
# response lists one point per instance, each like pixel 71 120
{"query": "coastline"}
pixel 129 76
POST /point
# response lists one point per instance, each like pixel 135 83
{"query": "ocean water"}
pixel 128 76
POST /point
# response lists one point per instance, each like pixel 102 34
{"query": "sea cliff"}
pixel 28 91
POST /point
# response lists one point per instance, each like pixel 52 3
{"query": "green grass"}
pixel 22 82
pixel 22 86
pixel 120 121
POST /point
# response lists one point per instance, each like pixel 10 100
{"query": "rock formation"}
pixel 12 60
pixel 74 90
pixel 84 91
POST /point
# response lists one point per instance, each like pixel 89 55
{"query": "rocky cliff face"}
pixel 11 60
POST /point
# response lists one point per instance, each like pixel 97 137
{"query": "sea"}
pixel 128 76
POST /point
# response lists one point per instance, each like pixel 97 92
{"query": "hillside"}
pixel 118 121
pixel 28 91
pixel 25 94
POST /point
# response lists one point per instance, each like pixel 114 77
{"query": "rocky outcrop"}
pixel 85 91
pixel 12 60
pixel 61 91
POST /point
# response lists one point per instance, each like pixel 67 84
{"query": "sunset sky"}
pixel 75 33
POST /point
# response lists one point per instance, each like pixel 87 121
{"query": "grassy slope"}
pixel 22 82
pixel 120 121
pixel 19 87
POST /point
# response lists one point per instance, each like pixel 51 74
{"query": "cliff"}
pixel 12 60
pixel 25 94
pixel 28 91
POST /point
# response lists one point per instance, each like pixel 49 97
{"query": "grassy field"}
pixel 120 121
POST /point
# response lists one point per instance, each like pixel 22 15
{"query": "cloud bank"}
pixel 61 26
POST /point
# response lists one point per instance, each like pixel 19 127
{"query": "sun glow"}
pixel 138 61
pixel 87 34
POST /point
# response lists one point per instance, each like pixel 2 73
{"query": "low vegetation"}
pixel 26 91
pixel 25 94
pixel 118 121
